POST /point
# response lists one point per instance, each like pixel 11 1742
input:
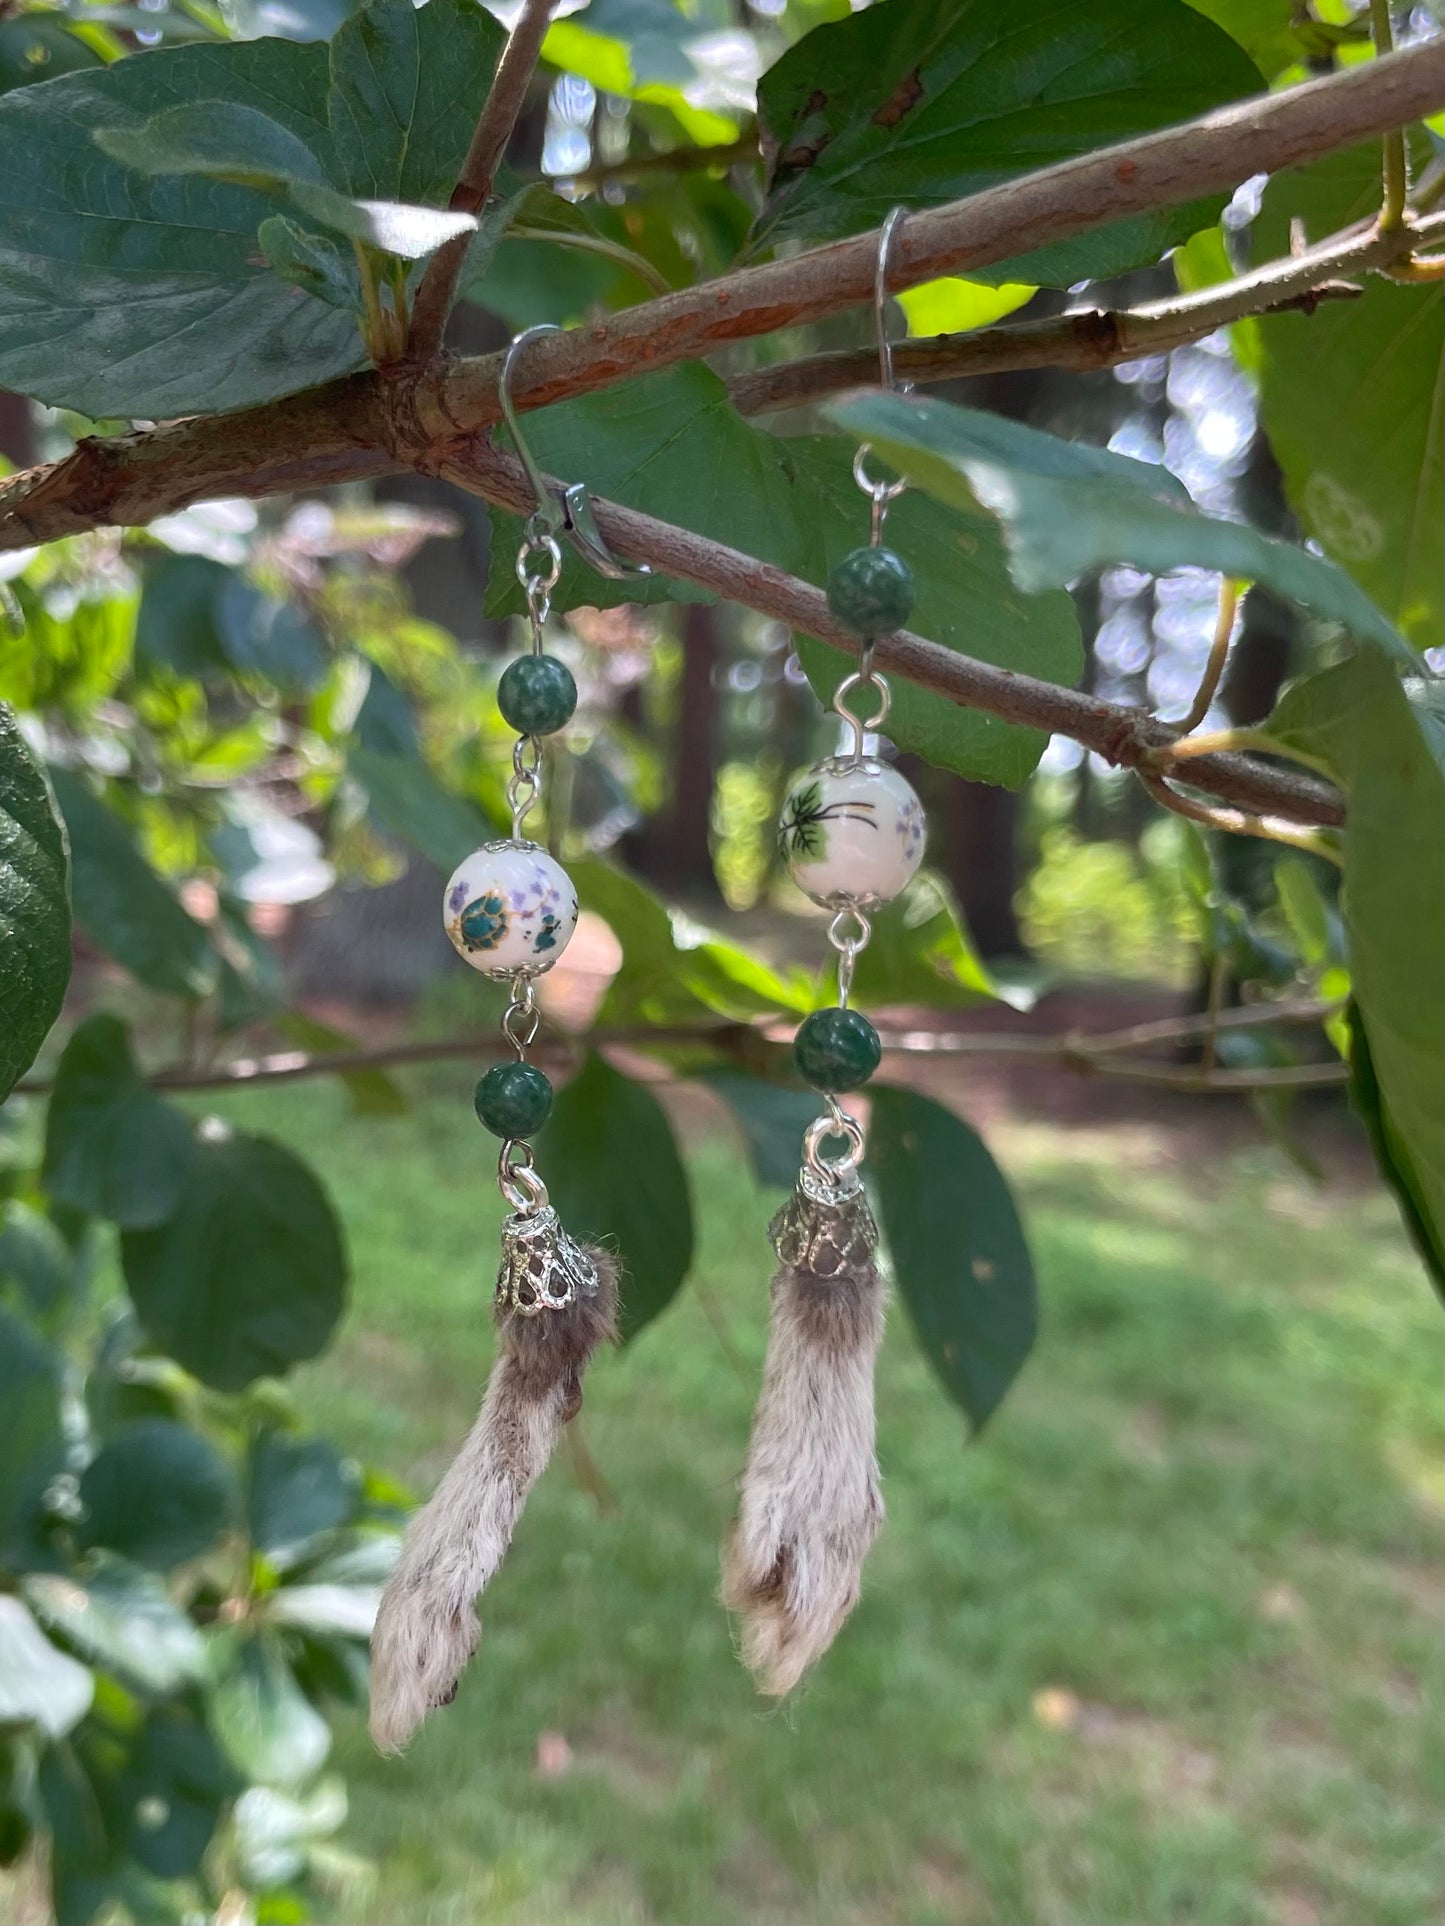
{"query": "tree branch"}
pixel 1092 337
pixel 375 423
pixel 1100 1053
pixel 1127 737
pixel 494 128
pixel 672 160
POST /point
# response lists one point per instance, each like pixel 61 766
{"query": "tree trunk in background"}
pixel 979 855
pixel 17 431
pixel 673 848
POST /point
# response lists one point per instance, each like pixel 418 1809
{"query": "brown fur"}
pixel 810 1505
pixel 427 1626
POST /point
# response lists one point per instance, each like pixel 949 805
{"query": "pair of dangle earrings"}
pixel 851 835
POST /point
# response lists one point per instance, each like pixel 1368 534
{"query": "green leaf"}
pixel 39 1685
pixel 1068 509
pixel 1391 1156
pixel 312 262
pixel 171 1792
pixel 34 907
pixel 1277 34
pixel 672 969
pixel 270 1730
pixel 124 292
pixel 1364 474
pixel 123 904
pixel 396 227
pixel 960 1259
pixel 1357 723
pixel 176 625
pixel 926 101
pixel 373 1092
pixel 249 1276
pixel 671 444
pixel 224 139
pixel 158 1493
pixel 31 1439
pixel 264 636
pixel 113 1147
pixel 920 952
pixel 123 1620
pixel 297 1488
pixel 952 306
pixel 38 46
pixel 34 1256
pixel 616 1179
pixel 406 798
pixel 772 1117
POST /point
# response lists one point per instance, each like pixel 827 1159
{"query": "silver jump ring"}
pixel 517 1179
pixel 535 542
pixel 837 1123
pixel 884 491
pixel 521 1020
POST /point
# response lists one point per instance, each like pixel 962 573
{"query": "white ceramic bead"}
pixel 509 908
pixel 851 832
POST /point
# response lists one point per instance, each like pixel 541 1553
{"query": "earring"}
pixel 852 835
pixel 510 910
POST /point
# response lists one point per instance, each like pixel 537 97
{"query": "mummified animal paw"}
pixel 809 1504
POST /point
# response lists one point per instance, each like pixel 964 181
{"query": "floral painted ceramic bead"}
pixel 851 832
pixel 510 909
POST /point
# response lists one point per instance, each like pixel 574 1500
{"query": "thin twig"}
pixel 1237 822
pixel 1395 179
pixel 1073 1049
pixel 1218 655
pixel 673 160
pixel 494 128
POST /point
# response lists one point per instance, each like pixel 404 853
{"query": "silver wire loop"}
pixel 564 512
pixel 862 726
pixel 524 786
pixel 521 1019
pixel 834 1123
pixel 517 1178
pixel 848 932
pixel 882 493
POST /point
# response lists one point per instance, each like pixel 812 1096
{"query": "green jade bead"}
pixel 836 1050
pixel 537 695
pixel 513 1100
pixel 871 592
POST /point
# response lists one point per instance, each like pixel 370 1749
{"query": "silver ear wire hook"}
pixel 563 512
pixel 880 298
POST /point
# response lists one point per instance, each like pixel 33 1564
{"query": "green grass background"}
pixel 1161 1647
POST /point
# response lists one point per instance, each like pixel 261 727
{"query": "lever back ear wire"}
pixel 564 513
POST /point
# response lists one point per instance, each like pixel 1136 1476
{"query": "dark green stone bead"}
pixel 513 1100
pixel 836 1049
pixel 537 695
pixel 871 592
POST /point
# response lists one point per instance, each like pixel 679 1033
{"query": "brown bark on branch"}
pixel 373 424
pixel 1129 738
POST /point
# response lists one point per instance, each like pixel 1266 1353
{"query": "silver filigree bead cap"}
pixel 542 1268
pixel 826 1225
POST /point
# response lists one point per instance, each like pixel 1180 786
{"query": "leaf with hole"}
pixel 616 1179
pixel 113 1147
pixel 34 907
pixel 960 1259
pixel 926 101
pixel 249 1275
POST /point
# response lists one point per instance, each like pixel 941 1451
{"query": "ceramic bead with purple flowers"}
pixel 510 909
